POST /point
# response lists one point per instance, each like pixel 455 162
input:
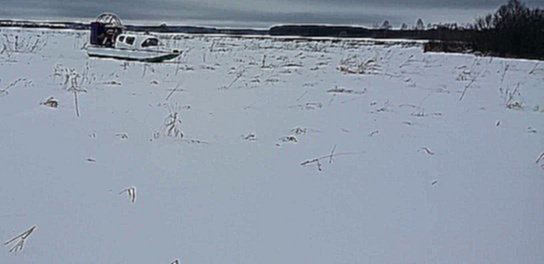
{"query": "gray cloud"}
pixel 261 13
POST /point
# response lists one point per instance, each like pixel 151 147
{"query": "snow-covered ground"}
pixel 267 150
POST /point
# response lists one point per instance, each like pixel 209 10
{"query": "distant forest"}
pixel 514 30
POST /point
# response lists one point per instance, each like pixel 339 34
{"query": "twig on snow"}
pixel 238 76
pixel 541 157
pixel 427 150
pixel 534 68
pixel 472 81
pixel 131 191
pixel 22 238
pixel 332 154
pixel 468 86
pixel 373 133
pixel 330 157
pixel 51 102
pixel 172 92
pixel 300 97
pixel 312 161
pixel 26 83
pixel 76 103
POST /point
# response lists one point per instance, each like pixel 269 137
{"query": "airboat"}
pixel 109 41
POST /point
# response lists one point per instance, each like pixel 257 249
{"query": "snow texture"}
pixel 268 150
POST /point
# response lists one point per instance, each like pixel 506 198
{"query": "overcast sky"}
pixel 257 13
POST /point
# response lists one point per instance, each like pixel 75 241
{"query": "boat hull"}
pixel 151 55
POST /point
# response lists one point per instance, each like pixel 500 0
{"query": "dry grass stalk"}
pixel 173 91
pixel 541 157
pixel 345 90
pixel 238 76
pixel 510 103
pixel 352 65
pixel 468 86
pixel 76 103
pixel 24 81
pixel 332 154
pixel 316 161
pixel 171 124
pixel 534 68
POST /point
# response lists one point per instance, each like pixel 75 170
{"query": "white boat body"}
pixel 131 54
pixel 134 47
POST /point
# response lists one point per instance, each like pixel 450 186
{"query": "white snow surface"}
pixel 410 169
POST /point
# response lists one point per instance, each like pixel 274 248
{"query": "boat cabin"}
pixel 105 29
pixel 129 41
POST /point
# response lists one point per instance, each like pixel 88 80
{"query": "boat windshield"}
pixel 150 42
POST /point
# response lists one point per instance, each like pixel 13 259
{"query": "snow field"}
pixel 269 150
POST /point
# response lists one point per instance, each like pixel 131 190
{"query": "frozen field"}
pixel 263 150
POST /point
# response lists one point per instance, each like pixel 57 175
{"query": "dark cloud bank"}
pixel 257 13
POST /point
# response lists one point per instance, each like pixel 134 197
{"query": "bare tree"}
pixel 386 25
pixel 420 25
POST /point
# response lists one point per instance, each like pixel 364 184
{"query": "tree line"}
pixel 514 30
